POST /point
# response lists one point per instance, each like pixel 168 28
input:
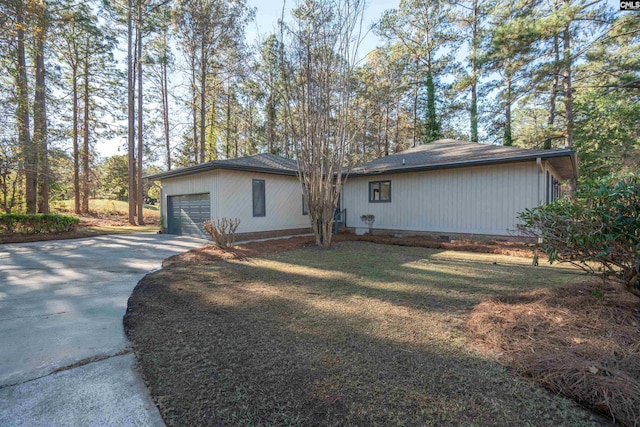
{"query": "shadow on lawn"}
pixel 247 343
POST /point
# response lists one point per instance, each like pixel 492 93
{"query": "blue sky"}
pixel 266 21
pixel 269 11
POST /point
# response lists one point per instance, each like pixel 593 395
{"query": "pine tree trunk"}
pixel 40 112
pixel 551 118
pixel 386 130
pixel 139 189
pixel 415 107
pixel 131 115
pixel 194 108
pixel 22 113
pixel 474 74
pixel 85 136
pixel 433 127
pixel 568 95
pixel 76 136
pixel 507 140
pixel 271 116
pixel 396 137
pixel 213 153
pixel 165 109
pixel 203 102
pixel 228 122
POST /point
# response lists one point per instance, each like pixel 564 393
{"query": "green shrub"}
pixel 36 223
pixel 597 230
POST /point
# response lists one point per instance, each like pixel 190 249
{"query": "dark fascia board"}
pixel 469 163
pixel 211 166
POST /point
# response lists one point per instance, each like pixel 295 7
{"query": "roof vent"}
pixel 402 162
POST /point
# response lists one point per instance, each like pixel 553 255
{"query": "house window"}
pixel 379 191
pixel 305 207
pixel 548 192
pixel 259 208
pixel 555 189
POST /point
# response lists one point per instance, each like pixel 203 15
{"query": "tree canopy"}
pixel 192 87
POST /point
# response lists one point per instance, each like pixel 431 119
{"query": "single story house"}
pixel 447 187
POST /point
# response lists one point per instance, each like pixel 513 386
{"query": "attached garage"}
pixel 258 190
pixel 444 187
pixel 187 212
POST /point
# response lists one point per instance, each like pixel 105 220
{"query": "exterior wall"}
pixel 283 199
pixel 207 182
pixel 473 200
pixel 231 196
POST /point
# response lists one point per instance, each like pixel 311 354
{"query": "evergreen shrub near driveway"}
pixel 36 223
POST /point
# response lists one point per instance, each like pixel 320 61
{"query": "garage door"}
pixel 186 213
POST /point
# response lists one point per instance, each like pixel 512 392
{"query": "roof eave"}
pixel 470 163
pixel 212 166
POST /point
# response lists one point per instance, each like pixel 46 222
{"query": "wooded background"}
pixel 175 83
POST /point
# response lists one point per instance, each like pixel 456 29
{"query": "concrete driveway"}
pixel 64 357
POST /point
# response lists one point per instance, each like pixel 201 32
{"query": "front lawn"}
pixel 361 334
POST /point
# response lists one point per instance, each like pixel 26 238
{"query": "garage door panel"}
pixel 187 212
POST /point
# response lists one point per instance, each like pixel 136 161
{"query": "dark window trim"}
pixel 264 197
pixel 371 184
pixel 548 188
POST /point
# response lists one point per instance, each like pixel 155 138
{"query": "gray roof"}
pixel 267 163
pixel 440 154
pixel 451 153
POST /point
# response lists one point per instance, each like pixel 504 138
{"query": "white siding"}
pixel 283 198
pixel 206 182
pixel 474 200
pixel 231 196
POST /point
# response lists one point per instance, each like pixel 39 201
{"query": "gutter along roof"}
pixel 441 154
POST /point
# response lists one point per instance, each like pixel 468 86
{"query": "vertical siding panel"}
pixel 479 200
pixel 230 195
pixel 283 197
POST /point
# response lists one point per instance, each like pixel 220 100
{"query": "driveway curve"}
pixel 64 356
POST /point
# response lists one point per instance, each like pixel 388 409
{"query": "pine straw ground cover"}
pixel 582 341
pixel 361 334
pixel 210 253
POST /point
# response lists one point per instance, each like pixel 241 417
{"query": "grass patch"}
pixel 79 232
pixel 361 334
pixel 103 206
pixel 104 217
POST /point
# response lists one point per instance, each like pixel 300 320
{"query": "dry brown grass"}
pixel 358 335
pixel 578 340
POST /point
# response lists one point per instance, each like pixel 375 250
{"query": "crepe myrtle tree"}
pixel 318 60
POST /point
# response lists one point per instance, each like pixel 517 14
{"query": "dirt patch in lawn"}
pixel 582 341
pixel 361 334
